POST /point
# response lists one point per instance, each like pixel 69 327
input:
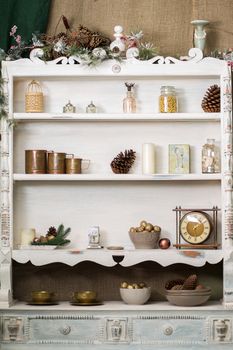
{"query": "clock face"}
pixel 195 227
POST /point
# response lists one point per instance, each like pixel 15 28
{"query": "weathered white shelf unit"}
pixel 113 202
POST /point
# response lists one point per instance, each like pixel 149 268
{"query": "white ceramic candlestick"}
pixel 148 158
pixel 200 33
pixel 27 236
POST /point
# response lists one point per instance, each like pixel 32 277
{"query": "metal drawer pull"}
pixel 168 330
pixel 65 330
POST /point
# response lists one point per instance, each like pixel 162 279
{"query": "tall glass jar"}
pixel 210 157
pixel 168 102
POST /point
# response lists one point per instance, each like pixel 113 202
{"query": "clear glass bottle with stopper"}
pixel 91 108
pixel 129 102
pixel 210 157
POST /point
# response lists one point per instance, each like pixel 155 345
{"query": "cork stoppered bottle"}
pixel 129 102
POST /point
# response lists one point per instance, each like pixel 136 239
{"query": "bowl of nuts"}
pixel 145 236
pixel 135 293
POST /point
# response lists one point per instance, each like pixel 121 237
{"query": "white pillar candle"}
pixel 27 236
pixel 148 158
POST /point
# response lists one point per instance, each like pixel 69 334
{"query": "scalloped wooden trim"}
pixel 195 55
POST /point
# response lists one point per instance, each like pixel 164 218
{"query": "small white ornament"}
pixel 132 52
pixel 99 53
pixel 119 41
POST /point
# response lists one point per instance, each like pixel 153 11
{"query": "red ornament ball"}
pixel 164 243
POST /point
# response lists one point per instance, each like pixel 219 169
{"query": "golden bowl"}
pixel 42 296
pixel 86 296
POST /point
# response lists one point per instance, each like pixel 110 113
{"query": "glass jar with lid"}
pixel 210 157
pixel 168 102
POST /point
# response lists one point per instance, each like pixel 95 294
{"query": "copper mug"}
pixel 56 162
pixel 75 165
pixel 35 161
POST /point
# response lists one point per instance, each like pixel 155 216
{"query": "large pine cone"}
pixel 172 283
pixel 211 100
pixel 122 163
pixel 190 283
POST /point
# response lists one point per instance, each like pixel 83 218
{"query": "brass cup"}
pixel 35 161
pixel 87 296
pixel 75 165
pixel 42 296
pixel 56 162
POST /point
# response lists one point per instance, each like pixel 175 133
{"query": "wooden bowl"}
pixel 145 239
pixel 188 297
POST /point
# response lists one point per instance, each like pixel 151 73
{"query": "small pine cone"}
pixel 172 283
pixel 190 283
pixel 97 40
pixel 52 231
pixel 177 287
pixel 122 163
pixel 60 35
pixel 211 100
pixel 84 36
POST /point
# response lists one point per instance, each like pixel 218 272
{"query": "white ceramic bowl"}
pixel 135 296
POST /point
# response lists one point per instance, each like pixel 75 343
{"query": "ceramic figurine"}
pixel 119 42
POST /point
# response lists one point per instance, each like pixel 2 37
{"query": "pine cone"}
pixel 211 100
pixel 190 283
pixel 172 283
pixel 97 40
pixel 84 36
pixel 177 287
pixel 52 231
pixel 122 163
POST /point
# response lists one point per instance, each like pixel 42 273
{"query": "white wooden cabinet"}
pixel 114 202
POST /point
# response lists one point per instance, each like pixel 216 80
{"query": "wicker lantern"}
pixel 34 102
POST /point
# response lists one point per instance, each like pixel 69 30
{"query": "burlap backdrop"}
pixel 166 23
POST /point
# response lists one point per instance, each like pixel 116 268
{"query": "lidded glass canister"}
pixel 168 102
pixel 210 157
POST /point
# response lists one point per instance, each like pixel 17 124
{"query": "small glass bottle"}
pixel 129 102
pixel 69 108
pixel 91 108
pixel 168 100
pixel 210 157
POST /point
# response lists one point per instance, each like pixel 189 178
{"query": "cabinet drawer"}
pixel 181 330
pixel 49 329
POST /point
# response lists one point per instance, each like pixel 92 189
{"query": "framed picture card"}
pixel 179 159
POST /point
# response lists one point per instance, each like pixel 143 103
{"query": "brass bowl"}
pixel 86 296
pixel 42 296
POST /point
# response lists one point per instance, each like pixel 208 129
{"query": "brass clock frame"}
pixel 211 213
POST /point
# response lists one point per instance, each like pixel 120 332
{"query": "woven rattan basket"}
pixel 34 99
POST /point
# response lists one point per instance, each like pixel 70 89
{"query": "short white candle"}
pixel 148 158
pixel 27 236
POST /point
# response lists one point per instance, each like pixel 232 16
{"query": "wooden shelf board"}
pixel 119 306
pixel 116 177
pixel 121 117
